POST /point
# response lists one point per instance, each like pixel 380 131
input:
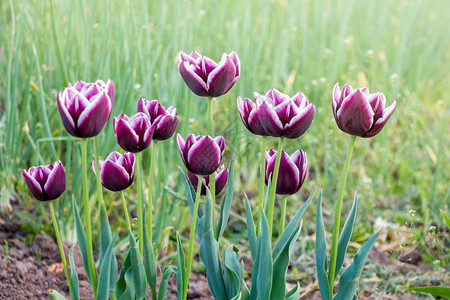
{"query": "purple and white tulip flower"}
pixel 46 183
pixel 166 120
pixel 201 154
pixel 117 171
pixel 276 114
pixel 205 77
pixel 359 113
pixel 133 134
pixel 86 107
pixel 220 180
pixel 292 172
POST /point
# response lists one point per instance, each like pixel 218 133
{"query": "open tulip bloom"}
pixel 133 134
pixel 166 120
pixel 117 171
pixel 205 77
pixel 86 107
pixel 359 113
pixel 46 183
pixel 276 114
pixel 220 178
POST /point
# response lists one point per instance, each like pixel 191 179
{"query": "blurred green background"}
pixel 400 48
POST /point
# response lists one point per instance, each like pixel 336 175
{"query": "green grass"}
pixel 398 47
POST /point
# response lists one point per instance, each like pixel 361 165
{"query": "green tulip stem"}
pixel 191 239
pixel 87 217
pixel 337 216
pixel 97 172
pixel 283 213
pixel 150 191
pixel 140 208
pixel 276 170
pixel 212 177
pixel 125 209
pixel 61 249
pixel 210 117
pixel 113 295
pixel 261 183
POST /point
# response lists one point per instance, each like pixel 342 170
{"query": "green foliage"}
pixel 433 290
pixel 106 240
pixel 55 295
pixel 75 290
pixel 321 252
pixel 107 278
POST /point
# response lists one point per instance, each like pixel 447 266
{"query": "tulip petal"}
pixel 221 180
pixel 288 177
pixel 237 63
pixel 66 118
pixel 56 182
pixel 355 116
pixel 204 156
pixel 220 80
pixel 125 135
pixel 336 99
pixel 264 121
pixel 192 80
pixel 300 122
pixel 34 186
pixel 94 117
pixel 114 177
pixel 379 124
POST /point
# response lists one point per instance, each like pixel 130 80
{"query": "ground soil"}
pixel 29 271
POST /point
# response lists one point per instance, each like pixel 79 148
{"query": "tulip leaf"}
pixel 55 295
pixel 290 228
pixel 181 268
pixel 237 297
pixel 280 265
pixel 149 257
pixel 294 294
pixel 446 218
pixel 123 292
pixel 348 283
pixel 82 243
pixel 225 206
pixel 441 291
pixel 105 271
pixel 190 193
pixel 232 271
pixel 321 252
pixel 209 249
pixel 165 278
pixel 105 240
pixel 75 287
pixel 137 268
pixel 250 229
pixel 265 268
pixel 346 234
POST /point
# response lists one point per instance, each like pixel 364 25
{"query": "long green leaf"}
pixel 105 240
pixel 122 289
pixel 81 237
pixel 237 297
pixel 446 218
pixel 348 283
pixel 181 268
pixel 280 266
pixel 232 271
pixel 165 278
pixel 225 206
pixel 290 228
pixel 441 291
pixel 321 252
pixel 75 289
pixel 294 294
pixel 105 272
pixel 139 279
pixel 265 261
pixel 190 193
pixel 346 234
pixel 250 229
pixel 55 295
pixel 149 257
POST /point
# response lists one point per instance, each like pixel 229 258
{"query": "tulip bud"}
pixel 205 77
pixel 276 114
pixel 292 172
pixel 201 154
pixel 166 120
pixel 86 107
pixel 133 134
pixel 46 183
pixel 220 179
pixel 117 171
pixel 360 113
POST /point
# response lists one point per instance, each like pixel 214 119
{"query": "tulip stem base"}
pixel 140 208
pixel 191 239
pixel 153 288
pixel 87 217
pixel 125 209
pixel 150 192
pixel 61 249
pixel 283 214
pixel 337 217
pixel 97 172
pixel 261 184
pixel 274 184
pixel 212 188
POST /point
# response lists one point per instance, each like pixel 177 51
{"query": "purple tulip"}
pixel 133 134
pixel 86 107
pixel 359 112
pixel 166 120
pixel 276 114
pixel 46 183
pixel 292 172
pixel 117 171
pixel 205 77
pixel 201 154
pixel 220 179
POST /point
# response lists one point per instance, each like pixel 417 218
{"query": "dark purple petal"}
pixel 192 80
pixel 221 78
pixel 288 176
pixel 204 156
pixel 221 180
pixel 66 118
pixel 277 96
pixel 355 116
pixel 237 63
pixel 125 135
pixel 56 182
pixel 271 157
pixel 221 143
pixel 165 127
pixel 94 117
pixel 114 177
pixel 34 186
pixel 300 122
pixel 379 124
pixel 264 121
pixel 111 91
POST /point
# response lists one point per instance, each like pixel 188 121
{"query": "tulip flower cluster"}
pixel 85 109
